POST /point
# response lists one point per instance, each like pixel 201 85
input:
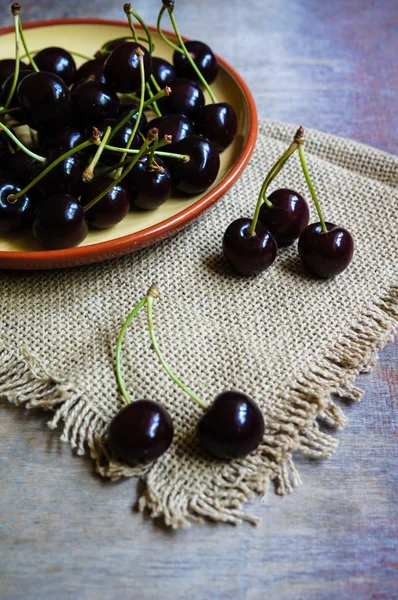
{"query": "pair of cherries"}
pixel 250 245
pixel 232 427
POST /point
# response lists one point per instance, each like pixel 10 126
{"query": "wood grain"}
pixel 64 533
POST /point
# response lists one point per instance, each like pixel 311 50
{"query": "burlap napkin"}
pixel 286 339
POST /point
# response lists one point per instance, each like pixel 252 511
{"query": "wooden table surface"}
pixel 65 533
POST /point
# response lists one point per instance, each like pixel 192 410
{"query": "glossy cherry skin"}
pixel 126 109
pixel 200 172
pixel 67 137
pixel 178 126
pixel 7 68
pixel 162 71
pixel 217 122
pixel 140 432
pixel 111 209
pixel 6 88
pixel 203 58
pixel 122 68
pixel 92 69
pixel 65 178
pixel 119 140
pixel 13 215
pixel 93 102
pixel 45 99
pixel 58 61
pixel 248 254
pixel 232 427
pixel 59 222
pixel 186 98
pixel 325 254
pixel 150 184
pixel 287 217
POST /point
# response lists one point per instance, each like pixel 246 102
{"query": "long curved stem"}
pixel 20 144
pixel 119 343
pixel 311 188
pixel 16 70
pixel 28 53
pixel 153 293
pixel 183 157
pixel 145 28
pixel 162 35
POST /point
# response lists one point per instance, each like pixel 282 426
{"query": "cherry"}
pixel 203 58
pixel 140 432
pixel 150 184
pixel 249 254
pixel 186 98
pixel 232 427
pixel 19 167
pixel 93 102
pixel 66 138
pixel 325 253
pixel 58 61
pixel 59 222
pixel 4 149
pixel 126 109
pixel 7 68
pixel 65 178
pixel 285 214
pixel 108 48
pixel 162 71
pixel 7 85
pixel 13 215
pixel 45 99
pixel 92 69
pixel 217 122
pixel 200 172
pixel 122 68
pixel 178 126
pixel 112 207
pixel 119 140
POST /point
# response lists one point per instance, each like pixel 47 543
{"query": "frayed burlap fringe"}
pixel 293 425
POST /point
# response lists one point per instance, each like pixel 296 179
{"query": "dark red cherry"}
pixel 108 48
pixel 120 139
pixel 111 209
pixel 19 167
pixel 287 217
pixel 7 85
pixel 162 71
pixel 126 109
pixel 140 432
pixel 45 99
pixel 7 68
pixel 122 68
pixel 13 215
pixel 65 178
pixel 150 184
pixel 58 61
pixel 93 102
pixel 203 58
pixel 92 69
pixel 5 152
pixel 59 222
pixel 67 137
pixel 248 254
pixel 217 122
pixel 178 126
pixel 232 427
pixel 186 98
pixel 200 172
pixel 328 253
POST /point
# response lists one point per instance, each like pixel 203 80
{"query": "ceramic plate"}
pixel 138 229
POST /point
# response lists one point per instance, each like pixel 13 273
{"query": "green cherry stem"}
pixel 94 140
pixel 275 169
pixel 311 188
pixel 183 157
pixel 157 144
pixel 141 21
pixel 162 35
pixel 20 144
pixel 152 294
pixel 119 343
pixel 88 173
pixel 15 8
pixel 7 111
pixel 28 53
pixel 189 57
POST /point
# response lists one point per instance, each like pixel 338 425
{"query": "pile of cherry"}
pixel 93 155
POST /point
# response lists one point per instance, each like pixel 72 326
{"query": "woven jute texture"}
pixel 286 339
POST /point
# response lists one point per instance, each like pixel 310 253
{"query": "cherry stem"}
pixel 152 294
pixel 143 25
pixel 28 54
pixel 20 144
pixel 183 157
pixel 93 140
pixel 120 339
pixel 88 172
pixel 275 169
pixel 165 92
pixel 189 57
pixel 311 188
pixel 16 71
pixel 162 35
pixel 152 98
pixel 122 175
pixel 158 144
